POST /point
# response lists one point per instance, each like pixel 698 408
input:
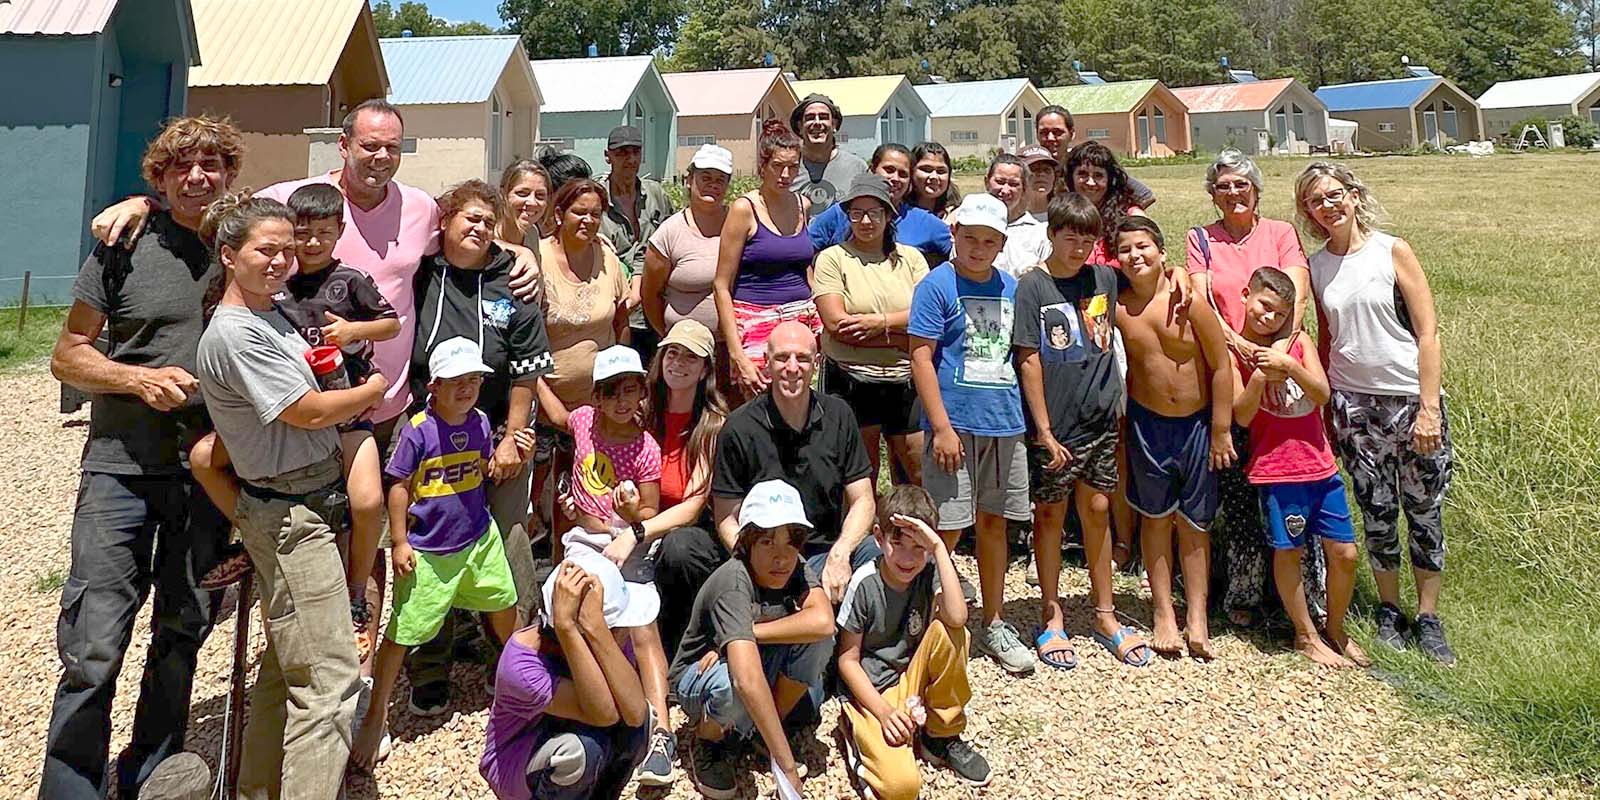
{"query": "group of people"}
pixel 686 412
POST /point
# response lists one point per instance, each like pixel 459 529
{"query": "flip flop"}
pixel 1055 649
pixel 1118 645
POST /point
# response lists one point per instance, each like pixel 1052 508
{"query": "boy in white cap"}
pixel 759 637
pixel 975 467
pixel 446 552
pixel 569 719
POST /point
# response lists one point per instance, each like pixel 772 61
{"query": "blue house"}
pixel 1405 113
pixel 584 98
pixel 84 86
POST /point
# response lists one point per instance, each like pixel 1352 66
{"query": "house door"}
pixel 1430 128
pixel 1144 135
pixel 497 119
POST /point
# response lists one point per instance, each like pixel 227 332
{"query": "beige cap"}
pixel 691 335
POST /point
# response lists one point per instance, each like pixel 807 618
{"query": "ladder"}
pixel 1523 142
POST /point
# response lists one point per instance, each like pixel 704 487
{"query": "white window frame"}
pixel 408 145
pixel 1386 127
pixel 696 140
pixel 497 120
pixel 1298 124
pixel 1027 126
pixel 1449 125
pixel 1097 133
pixel 963 137
pixel 1159 127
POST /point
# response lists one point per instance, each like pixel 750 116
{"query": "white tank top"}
pixel 1373 350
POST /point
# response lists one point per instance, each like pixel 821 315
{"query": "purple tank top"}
pixel 772 270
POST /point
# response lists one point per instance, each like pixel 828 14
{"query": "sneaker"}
pixel 1033 571
pixel 797 734
pixel 954 753
pixel 363 704
pixel 183 776
pixel 713 769
pixel 361 610
pixel 658 769
pixel 855 768
pixel 1391 627
pixel 1000 642
pixel 429 700
pixel 1431 641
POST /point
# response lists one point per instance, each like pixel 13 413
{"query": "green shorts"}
pixel 476 579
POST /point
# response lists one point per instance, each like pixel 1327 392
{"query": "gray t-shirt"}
pixel 153 298
pixel 252 367
pixel 823 182
pixel 891 623
pixel 730 604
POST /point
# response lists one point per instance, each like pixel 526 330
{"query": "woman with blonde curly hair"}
pixel 1379 335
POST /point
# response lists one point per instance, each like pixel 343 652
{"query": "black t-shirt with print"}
pixel 154 298
pixel 757 445
pixel 1070 321
pixel 344 292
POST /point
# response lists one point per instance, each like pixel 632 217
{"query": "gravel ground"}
pixel 1257 722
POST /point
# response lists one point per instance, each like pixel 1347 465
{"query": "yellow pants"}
pixel 937 674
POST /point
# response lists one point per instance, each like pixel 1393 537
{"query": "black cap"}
pixel 624 136
pixel 800 111
pixel 868 184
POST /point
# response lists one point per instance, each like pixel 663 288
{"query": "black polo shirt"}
pixel 818 460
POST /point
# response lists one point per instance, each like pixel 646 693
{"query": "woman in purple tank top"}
pixel 764 261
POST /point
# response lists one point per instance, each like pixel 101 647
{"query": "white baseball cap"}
pixel 618 359
pixel 983 210
pixel 625 604
pixel 771 504
pixel 455 357
pixel 711 156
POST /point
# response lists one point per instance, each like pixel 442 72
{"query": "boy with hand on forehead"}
pixel 447 551
pixel 759 637
pixel 903 656
pixel 1179 428
pixel 1279 395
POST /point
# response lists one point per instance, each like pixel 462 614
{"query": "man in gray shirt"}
pixel 826 169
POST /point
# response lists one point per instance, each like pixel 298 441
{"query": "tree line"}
pixel 1474 42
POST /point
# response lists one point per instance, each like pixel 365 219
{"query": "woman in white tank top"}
pixel 1380 339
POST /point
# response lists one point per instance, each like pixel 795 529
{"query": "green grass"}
pixel 1508 243
pixel 49 582
pixel 32 345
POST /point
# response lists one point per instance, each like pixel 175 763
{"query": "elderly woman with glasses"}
pixel 1221 258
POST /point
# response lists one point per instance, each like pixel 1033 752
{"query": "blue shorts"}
pixel 1318 508
pixel 1169 465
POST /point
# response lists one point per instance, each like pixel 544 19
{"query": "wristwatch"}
pixel 638 530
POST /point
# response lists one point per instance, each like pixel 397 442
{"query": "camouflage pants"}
pixel 1372 434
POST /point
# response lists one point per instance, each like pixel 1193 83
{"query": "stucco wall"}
pixel 1403 136
pixel 274 120
pixel 1118 127
pixel 1469 122
pixel 1498 121
pixel 1213 131
pixel 733 131
pixel 987 127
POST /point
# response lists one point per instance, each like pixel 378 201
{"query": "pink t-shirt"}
pixel 1273 243
pixel 388 244
pixel 598 465
pixel 1288 443
pixel 1099 255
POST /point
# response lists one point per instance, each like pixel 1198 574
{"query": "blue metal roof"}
pixel 445 69
pixel 1398 93
pixel 971 98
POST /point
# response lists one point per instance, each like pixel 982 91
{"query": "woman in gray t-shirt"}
pixel 279 429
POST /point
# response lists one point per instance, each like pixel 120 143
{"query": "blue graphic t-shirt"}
pixel 970 323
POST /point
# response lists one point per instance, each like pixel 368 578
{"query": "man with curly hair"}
pixel 141 523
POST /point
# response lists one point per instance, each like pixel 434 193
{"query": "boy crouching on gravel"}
pixel 447 552
pixel 1279 394
pixel 903 656
pixel 759 637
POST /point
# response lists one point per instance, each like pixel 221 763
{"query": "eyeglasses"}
pixel 874 214
pixel 1233 187
pixel 1332 197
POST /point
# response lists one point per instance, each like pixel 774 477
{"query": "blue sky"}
pixel 463 10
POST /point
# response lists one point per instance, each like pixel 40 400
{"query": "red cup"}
pixel 327 363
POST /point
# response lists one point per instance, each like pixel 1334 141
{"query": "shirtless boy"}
pixel 1177 366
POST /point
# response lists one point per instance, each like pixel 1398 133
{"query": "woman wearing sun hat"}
pixel 569 718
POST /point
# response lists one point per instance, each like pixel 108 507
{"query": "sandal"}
pixel 232 565
pixel 1119 645
pixel 1055 649
pixel 1126 555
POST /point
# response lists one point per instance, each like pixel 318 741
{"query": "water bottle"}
pixel 327 363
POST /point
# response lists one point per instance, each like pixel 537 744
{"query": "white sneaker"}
pixel 1000 642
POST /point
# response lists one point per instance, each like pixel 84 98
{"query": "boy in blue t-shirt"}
pixel 447 552
pixel 975 466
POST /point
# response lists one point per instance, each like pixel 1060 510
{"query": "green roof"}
pixel 1100 98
